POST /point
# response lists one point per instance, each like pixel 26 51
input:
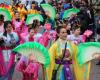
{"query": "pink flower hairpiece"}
pixel 88 33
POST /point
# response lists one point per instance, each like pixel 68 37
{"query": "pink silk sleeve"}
pixel 2 64
pixel 21 65
pixel 44 40
pixel 30 68
pixel 11 61
pixel 84 38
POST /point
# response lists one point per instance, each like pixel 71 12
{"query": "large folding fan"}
pixel 69 12
pixel 32 17
pixel 86 51
pixel 40 52
pixel 6 14
pixel 50 10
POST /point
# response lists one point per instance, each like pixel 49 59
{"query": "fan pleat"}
pixel 39 51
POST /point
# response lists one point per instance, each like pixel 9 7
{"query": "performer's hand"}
pixel 67 59
pixel 96 56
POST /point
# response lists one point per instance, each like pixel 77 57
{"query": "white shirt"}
pixel 75 39
pixel 8 38
pixel 37 36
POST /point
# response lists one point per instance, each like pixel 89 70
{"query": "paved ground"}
pixel 95 71
pixel 18 75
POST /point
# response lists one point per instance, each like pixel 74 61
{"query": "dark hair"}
pixel 35 24
pixel 5 26
pixel 25 17
pixel 98 31
pixel 17 4
pixel 99 40
pixel 74 27
pixel 29 29
pixel 33 2
pixel 16 12
pixel 1 17
pixel 58 30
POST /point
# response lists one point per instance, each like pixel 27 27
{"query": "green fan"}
pixel 86 51
pixel 50 10
pixel 6 13
pixel 32 17
pixel 40 52
pixel 69 12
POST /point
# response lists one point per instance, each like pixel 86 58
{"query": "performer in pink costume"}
pixel 29 67
pixel 18 24
pixel 7 57
pixel 44 40
pixel 28 37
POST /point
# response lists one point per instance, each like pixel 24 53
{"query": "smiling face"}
pixel 9 28
pixel 77 32
pixel 31 32
pixel 17 16
pixel 62 34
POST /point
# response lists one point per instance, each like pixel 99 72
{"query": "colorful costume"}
pixel 75 39
pixel 80 38
pixel 11 10
pixel 64 73
pixel 48 36
pixel 29 69
pixel 33 11
pixel 37 37
pixel 18 25
pixel 22 12
pixel 7 57
pixel 26 38
pixel 45 39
